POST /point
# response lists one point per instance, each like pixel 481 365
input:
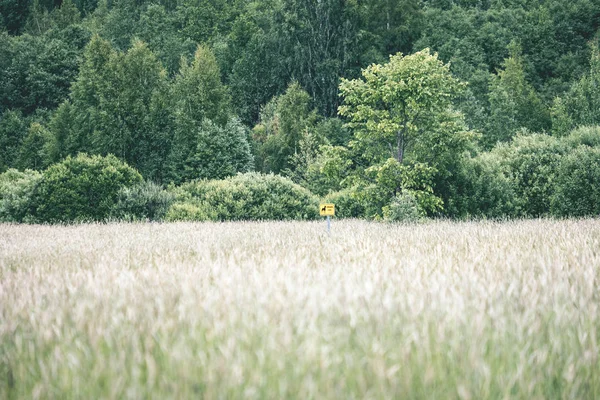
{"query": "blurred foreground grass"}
pixel 281 310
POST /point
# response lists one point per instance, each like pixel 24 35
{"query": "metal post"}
pixel 328 225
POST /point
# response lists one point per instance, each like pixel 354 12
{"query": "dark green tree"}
pixel 282 125
pixel 12 131
pixel 581 105
pixel 37 72
pixel 13 15
pixel 514 103
pixel 33 153
pixel 197 95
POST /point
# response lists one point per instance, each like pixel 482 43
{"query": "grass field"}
pixel 281 310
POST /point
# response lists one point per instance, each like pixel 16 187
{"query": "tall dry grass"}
pixel 281 310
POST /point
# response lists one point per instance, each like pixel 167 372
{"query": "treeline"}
pixel 486 121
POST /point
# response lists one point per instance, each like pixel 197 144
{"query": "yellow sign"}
pixel 327 209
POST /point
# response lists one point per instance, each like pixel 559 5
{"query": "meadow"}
pixel 465 310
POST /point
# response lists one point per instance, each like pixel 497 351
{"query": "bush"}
pixel 249 196
pixel 514 179
pixel 403 208
pixel 15 194
pixel 586 135
pixel 186 212
pixel 347 204
pixel 146 201
pixel 485 188
pixel 532 160
pixel 82 188
pixel 577 186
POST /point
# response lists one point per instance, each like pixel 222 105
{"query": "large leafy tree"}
pixel 397 108
pixel 407 137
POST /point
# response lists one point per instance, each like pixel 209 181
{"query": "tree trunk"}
pixel 400 144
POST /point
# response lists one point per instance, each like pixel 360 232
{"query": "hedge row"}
pixel 534 175
pixel 250 196
pixel 96 188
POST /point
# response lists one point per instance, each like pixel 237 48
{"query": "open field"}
pixel 280 310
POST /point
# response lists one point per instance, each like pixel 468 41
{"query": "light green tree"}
pixel 407 137
pixel 74 122
pixel 136 80
pixel 198 92
pixel 220 151
pixel 396 106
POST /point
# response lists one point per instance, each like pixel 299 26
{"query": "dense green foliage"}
pixel 577 190
pixel 535 175
pixel 347 204
pixel 15 195
pixel 146 201
pixel 243 197
pixel 406 134
pixel 469 108
pixel 82 188
pixel 403 208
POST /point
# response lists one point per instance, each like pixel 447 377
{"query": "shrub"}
pixel 532 160
pixel 514 179
pixel 249 196
pixel 485 188
pixel 15 194
pixel 186 212
pixel 81 188
pixel 146 201
pixel 403 208
pixel 347 204
pixel 586 135
pixel 577 187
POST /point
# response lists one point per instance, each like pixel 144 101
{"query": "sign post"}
pixel 327 210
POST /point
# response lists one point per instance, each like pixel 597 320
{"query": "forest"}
pixel 258 109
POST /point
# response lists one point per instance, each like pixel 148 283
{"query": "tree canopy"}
pixel 387 105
